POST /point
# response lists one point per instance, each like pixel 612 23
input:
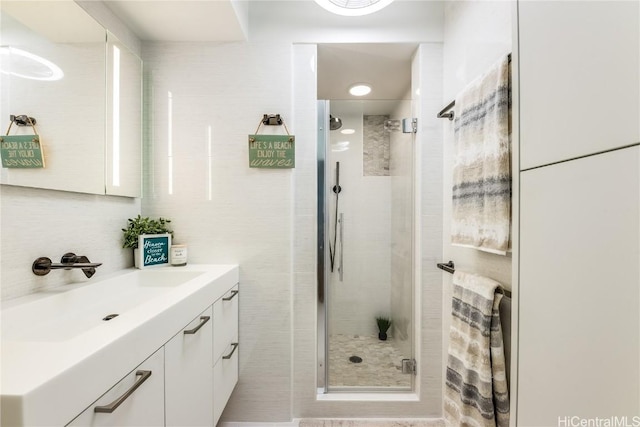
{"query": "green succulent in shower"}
pixel 143 225
pixel 384 323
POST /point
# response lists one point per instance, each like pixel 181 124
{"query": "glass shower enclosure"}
pixel 365 246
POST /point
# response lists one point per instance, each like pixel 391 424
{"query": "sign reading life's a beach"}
pixel 21 151
pixel 272 151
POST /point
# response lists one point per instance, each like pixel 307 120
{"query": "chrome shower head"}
pixel 334 123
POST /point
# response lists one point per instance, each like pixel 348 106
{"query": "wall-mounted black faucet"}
pixel 43 265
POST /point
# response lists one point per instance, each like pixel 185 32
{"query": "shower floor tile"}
pixel 381 364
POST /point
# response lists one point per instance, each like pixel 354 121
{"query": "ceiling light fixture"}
pixel 28 65
pixel 360 89
pixel 353 7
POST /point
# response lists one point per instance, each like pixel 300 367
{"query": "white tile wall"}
pixel 222 209
pixel 37 222
pixel 365 202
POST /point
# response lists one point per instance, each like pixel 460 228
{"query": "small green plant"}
pixel 384 323
pixel 143 225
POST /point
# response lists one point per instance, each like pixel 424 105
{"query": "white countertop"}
pixel 58 355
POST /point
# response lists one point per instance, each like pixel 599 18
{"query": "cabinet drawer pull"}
pixel 234 345
pixel 144 375
pixel 229 298
pixel 204 319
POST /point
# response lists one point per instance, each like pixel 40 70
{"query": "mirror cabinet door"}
pixel 53 64
pixel 124 120
pixel 53 68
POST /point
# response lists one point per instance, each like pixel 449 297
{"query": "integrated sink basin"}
pixel 61 347
pixel 65 315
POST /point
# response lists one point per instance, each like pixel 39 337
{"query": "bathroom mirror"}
pixel 54 68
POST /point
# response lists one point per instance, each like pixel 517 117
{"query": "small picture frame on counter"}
pixel 153 250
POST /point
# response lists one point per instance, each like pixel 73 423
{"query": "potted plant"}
pixel 384 323
pixel 141 226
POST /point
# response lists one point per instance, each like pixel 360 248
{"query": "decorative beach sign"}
pixel 21 151
pixel 153 249
pixel 272 151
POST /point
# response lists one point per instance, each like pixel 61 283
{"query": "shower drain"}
pixel 355 359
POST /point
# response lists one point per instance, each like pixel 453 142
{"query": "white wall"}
pixel 223 210
pixel 476 35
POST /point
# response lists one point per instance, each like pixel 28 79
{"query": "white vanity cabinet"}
pixel 188 375
pixel 192 376
pixel 225 345
pixel 141 354
pixel 136 400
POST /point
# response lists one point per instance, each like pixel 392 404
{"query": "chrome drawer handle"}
pixel 233 294
pixel 204 319
pixel 144 375
pixel 234 345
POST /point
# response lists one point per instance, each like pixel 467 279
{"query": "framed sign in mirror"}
pixel 57 67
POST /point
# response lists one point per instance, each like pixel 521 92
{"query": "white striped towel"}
pixel 481 210
pixel 476 393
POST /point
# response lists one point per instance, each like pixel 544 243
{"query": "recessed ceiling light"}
pixel 353 7
pixel 360 89
pixel 348 131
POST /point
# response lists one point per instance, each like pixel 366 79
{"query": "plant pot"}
pixel 136 262
pixel 382 336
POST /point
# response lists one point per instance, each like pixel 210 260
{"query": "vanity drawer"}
pixel 141 394
pixel 225 323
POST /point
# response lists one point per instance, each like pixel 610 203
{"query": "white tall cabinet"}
pixel 579 213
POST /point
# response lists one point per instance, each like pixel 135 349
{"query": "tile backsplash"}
pixel 46 223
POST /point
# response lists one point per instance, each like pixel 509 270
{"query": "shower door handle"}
pixel 341 265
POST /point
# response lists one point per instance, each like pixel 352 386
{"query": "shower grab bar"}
pixel 442 114
pixel 450 267
pixel 341 267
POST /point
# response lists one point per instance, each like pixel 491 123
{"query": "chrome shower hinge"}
pixel 410 125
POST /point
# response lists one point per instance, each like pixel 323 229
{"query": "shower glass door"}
pixel 366 176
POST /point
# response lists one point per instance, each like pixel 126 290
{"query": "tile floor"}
pixel 381 364
pixel 372 423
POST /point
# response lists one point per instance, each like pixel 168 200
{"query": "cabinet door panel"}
pixel 144 407
pixel 579 345
pixel 225 377
pixel 225 323
pixel 189 378
pixel 579 78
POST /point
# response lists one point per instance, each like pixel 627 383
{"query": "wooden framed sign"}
pixel 153 249
pixel 21 151
pixel 272 151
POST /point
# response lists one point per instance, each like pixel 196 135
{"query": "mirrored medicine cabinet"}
pixel 83 87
